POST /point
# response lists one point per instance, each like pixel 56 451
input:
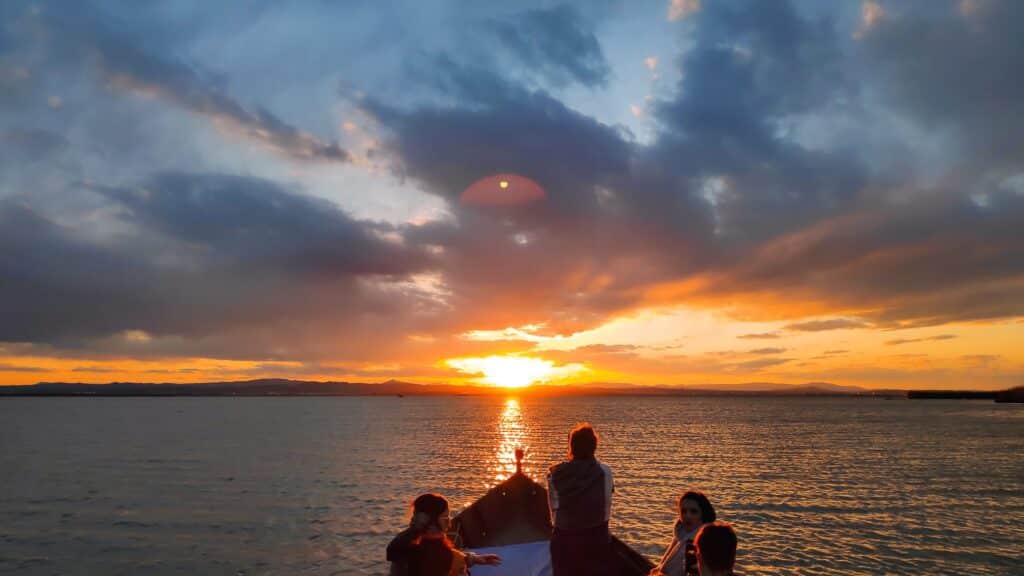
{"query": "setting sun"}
pixel 508 371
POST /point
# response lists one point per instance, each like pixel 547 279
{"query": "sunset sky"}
pixel 674 193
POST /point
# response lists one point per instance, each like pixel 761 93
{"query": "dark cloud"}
pixel 601 349
pixel 557 43
pixel 754 365
pixel 766 351
pixel 899 341
pixel 894 249
pixel 448 148
pixel 754 65
pixel 723 193
pixel 4 367
pixel 254 224
pixel 981 358
pixel 762 336
pixel 956 73
pixel 169 371
pixel 32 144
pixel 822 325
pixel 937 257
pixel 752 185
pixel 204 254
pixel 578 252
pixel 80 35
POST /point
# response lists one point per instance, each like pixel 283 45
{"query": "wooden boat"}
pixel 513 517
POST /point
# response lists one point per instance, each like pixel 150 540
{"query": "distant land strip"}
pixel 286 387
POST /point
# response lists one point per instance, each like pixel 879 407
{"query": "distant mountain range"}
pixel 286 387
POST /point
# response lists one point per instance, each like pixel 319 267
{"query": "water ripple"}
pixel 318 486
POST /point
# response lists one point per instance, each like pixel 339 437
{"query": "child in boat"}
pixel 716 549
pixel 680 559
pixel 580 497
pixel 423 549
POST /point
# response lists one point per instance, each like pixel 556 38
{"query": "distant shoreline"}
pixel 302 388
pixel 700 394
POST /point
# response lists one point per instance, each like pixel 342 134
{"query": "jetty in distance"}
pixel 288 387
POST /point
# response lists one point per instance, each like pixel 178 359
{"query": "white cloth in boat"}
pixel 530 559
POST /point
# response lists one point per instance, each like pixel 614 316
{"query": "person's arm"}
pixel 474 559
pixel 669 552
pixel 609 489
pixel 552 499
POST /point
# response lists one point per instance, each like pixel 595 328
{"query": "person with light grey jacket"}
pixel 580 499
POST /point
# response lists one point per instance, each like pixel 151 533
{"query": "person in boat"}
pixel 423 549
pixel 716 549
pixel 580 498
pixel 680 559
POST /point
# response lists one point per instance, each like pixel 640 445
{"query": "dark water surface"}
pixel 319 485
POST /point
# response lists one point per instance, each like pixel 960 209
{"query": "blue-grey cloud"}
pixel 754 65
pixel 723 191
pixel 253 223
pixel 761 175
pixel 201 254
pixel 82 35
pixel 955 73
pixel 940 257
pixel 585 247
pixel 557 43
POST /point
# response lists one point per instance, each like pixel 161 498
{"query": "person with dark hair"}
pixel 580 498
pixel 680 559
pixel 716 549
pixel 423 549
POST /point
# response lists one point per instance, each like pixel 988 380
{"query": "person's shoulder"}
pixel 607 469
pixel 401 543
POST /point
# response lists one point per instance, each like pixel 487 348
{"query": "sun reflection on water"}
pixel 512 430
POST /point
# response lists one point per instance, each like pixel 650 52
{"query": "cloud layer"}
pixel 823 169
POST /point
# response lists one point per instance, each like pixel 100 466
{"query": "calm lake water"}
pixel 319 485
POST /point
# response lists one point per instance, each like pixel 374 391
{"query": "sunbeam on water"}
pixel 512 432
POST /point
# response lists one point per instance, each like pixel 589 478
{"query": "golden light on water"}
pixel 512 431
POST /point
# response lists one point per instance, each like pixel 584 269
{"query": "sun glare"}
pixel 506 371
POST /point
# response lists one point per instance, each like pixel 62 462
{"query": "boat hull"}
pixel 513 521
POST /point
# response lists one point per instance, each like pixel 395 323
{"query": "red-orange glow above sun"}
pixel 502 190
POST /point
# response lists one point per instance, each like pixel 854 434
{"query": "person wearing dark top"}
pixel 716 549
pixel 580 498
pixel 423 549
